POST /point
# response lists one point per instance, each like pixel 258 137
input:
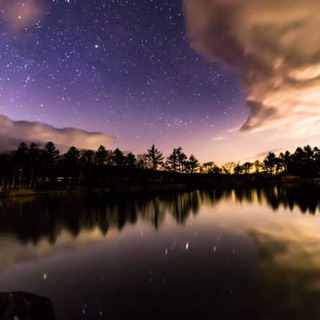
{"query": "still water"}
pixel 221 254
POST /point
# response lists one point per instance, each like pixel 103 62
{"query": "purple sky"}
pixel 127 69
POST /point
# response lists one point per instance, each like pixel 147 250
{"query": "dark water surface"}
pixel 222 254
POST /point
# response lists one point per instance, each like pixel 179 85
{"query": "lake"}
pixel 243 253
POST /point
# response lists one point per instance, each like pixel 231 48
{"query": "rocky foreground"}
pixel 25 306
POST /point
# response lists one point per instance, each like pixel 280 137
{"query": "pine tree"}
pixel 130 160
pixel 51 158
pixel 118 157
pixel 177 161
pixel 101 156
pixel 154 158
pixel 192 164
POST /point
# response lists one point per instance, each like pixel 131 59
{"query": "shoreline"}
pixel 152 187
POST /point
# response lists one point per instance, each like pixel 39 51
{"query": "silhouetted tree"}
pixel 50 158
pixel 32 165
pixel 270 163
pixel 34 158
pixel 130 160
pixel 286 161
pixel 154 158
pixel 258 166
pixel 176 161
pixel 305 162
pixel 87 156
pixel 86 162
pixel 21 160
pixel 247 167
pixel 192 164
pixel 71 162
pixel 101 156
pixel 72 156
pixel 182 160
pixel 208 167
pixel 6 168
pixel 238 169
pixel 172 162
pixel 228 168
pixel 118 157
pixel 141 161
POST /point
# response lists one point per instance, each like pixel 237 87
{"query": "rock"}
pixel 25 306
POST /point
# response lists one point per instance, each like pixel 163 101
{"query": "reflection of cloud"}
pixel 298 245
pixel 289 270
pixel 19 14
pixel 275 45
pixel 17 131
pixel 12 251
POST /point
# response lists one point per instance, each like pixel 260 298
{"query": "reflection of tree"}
pixel 46 217
pixel 305 197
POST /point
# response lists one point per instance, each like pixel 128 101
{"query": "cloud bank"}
pixel 276 46
pixel 13 132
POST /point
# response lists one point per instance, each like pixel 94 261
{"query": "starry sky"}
pixel 125 68
pixel 130 70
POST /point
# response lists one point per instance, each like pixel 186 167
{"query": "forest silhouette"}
pixel 32 166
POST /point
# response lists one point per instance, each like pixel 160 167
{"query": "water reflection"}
pixel 219 254
pixel 31 220
pixel 46 217
pixel 287 272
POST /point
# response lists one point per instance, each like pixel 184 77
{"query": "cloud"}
pixel 13 132
pixel 262 155
pixel 19 14
pixel 275 45
pixel 219 138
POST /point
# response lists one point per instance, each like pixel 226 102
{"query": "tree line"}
pixel 303 162
pixel 29 164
